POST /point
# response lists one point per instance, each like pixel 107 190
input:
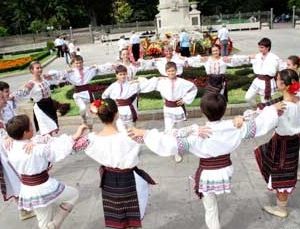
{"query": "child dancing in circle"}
pixel 278 159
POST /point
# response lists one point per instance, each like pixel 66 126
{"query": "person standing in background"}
pixel 58 42
pixel 135 45
pixel 223 35
pixel 184 40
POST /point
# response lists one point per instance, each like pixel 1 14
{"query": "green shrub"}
pixel 243 72
pixel 50 45
pixel 3 31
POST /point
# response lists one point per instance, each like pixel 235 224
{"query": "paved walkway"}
pixel 172 203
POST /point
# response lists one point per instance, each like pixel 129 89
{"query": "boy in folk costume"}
pixel 278 159
pixel 265 65
pixel 125 92
pixel 80 76
pixel 176 92
pixel 214 174
pixel 38 191
pixel 9 179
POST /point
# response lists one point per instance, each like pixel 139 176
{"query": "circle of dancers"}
pixel 27 157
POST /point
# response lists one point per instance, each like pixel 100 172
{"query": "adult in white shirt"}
pixel 223 35
pixel 265 65
pixel 58 42
pixel 135 45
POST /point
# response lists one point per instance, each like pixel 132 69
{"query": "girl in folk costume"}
pixel 80 76
pixel 293 62
pixel 125 92
pixel 214 174
pixel 44 109
pixel 124 186
pixel 9 110
pixel 38 191
pixel 176 92
pixel 215 67
pixel 278 159
pixel 132 68
pixel 9 179
pixel 265 65
pixel 160 63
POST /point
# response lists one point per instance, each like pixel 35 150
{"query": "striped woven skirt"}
pixel 120 197
pixel 278 160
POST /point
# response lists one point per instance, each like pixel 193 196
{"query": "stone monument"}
pixel 175 15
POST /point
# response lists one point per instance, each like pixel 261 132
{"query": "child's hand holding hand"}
pixel 204 131
pixel 136 133
pixel 80 131
pixel 238 121
pixel 180 102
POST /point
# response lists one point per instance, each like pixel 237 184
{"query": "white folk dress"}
pixel 123 155
pixel 225 138
pixel 38 91
pixel 49 151
pixel 11 181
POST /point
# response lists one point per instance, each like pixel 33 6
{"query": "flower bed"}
pixel 22 62
pixel 9 65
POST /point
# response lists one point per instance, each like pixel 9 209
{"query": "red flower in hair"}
pixel 294 88
pixel 97 103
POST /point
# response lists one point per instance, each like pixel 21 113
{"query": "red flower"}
pixel 97 103
pixel 294 88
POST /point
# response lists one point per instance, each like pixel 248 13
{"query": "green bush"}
pixel 50 45
pixel 245 71
pixel 3 31
pixel 25 51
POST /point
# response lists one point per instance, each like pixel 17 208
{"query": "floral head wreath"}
pixel 94 107
pixel 294 88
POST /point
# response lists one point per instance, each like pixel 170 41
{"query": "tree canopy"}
pixel 22 16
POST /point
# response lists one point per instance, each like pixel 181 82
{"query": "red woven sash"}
pixel 267 80
pixel 36 179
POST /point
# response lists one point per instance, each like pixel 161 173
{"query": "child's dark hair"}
pixel 31 65
pixel 3 85
pixel 266 42
pixel 107 111
pixel 288 76
pixel 17 125
pixel 77 58
pixel 120 68
pixel 295 60
pixel 171 65
pixel 213 105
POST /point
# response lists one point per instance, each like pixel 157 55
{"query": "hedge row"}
pixel 237 80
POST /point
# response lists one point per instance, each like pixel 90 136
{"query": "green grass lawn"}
pixel 235 96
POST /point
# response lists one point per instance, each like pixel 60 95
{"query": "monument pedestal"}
pixel 176 15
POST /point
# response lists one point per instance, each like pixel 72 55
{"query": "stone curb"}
pixel 24 73
pixel 194 112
